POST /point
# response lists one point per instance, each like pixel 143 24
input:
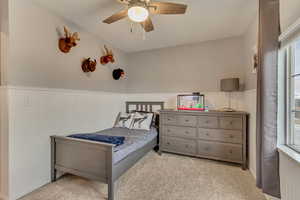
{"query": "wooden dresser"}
pixel 215 135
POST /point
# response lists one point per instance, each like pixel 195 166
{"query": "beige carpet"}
pixel 166 177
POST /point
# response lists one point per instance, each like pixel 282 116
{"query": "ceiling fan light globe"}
pixel 138 13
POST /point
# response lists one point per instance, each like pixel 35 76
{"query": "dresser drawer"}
pixel 184 120
pixel 231 123
pixel 234 153
pixel 228 152
pixel 230 136
pixel 208 122
pixel 177 145
pixel 185 132
pixel 169 119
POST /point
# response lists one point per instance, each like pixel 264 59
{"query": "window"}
pixel 293 95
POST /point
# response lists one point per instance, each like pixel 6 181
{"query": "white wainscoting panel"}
pixel 290 178
pixel 37 113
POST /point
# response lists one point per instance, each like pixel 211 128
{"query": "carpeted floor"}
pixel 166 177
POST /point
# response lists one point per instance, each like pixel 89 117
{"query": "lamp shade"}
pixel 230 84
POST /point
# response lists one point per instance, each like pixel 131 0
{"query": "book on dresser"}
pixel 214 135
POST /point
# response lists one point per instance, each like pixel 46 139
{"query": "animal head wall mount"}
pixel 89 65
pixel 118 73
pixel 107 57
pixel 69 41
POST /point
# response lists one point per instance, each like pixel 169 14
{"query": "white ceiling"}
pixel 205 20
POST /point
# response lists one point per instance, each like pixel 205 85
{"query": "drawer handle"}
pixel 187 120
pixel 186 132
pixel 207 134
pixel 231 122
pixel 230 151
pixel 168 143
pixel 186 146
pixel 207 122
pixel 231 136
pixel 169 119
pixel 168 130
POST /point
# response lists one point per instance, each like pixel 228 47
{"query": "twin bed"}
pixel 102 161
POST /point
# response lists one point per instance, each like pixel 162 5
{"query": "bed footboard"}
pixel 88 159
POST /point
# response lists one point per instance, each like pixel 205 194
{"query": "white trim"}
pixel 268 197
pixel 56 90
pixel 290 31
pixel 81 91
pixel 253 173
pixel 290 153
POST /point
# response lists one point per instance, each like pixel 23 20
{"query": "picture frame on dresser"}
pixel 213 135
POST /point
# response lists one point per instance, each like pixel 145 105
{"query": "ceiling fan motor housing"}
pixel 138 3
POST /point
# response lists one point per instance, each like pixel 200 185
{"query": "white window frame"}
pixel 289 54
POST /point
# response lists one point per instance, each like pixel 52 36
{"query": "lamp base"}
pixel 227 110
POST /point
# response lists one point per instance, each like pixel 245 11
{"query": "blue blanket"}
pixel 116 140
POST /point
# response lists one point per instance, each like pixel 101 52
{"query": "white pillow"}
pixel 142 121
pixel 124 120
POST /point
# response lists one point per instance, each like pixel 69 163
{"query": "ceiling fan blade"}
pixel 147 25
pixel 120 15
pixel 167 8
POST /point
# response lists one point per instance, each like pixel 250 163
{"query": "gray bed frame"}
pixel 94 160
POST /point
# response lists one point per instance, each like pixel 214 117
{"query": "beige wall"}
pixel 4 15
pixel 197 67
pixel 250 47
pixel 35 60
pixel 289 12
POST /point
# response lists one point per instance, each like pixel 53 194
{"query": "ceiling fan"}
pixel 139 11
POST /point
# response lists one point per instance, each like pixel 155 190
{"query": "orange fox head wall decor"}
pixel 69 41
pixel 107 57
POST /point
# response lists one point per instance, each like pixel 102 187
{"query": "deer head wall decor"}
pixel 107 57
pixel 70 40
pixel 89 65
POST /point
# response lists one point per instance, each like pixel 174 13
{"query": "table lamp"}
pixel 229 85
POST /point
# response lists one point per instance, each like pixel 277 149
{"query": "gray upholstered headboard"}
pixel 148 106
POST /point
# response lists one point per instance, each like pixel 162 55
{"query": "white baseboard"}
pixel 253 173
pixel 271 198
